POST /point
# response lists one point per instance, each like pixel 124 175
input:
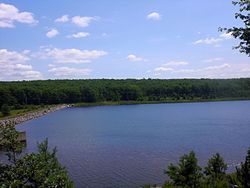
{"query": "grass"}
pixel 25 110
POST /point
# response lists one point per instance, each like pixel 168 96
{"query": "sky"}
pixel 139 39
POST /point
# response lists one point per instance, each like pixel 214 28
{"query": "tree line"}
pixel 97 90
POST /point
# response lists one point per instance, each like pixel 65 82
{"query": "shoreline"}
pixel 32 115
pixel 115 103
pixel 36 114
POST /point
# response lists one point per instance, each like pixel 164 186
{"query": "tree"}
pixel 40 169
pixel 242 33
pixel 9 142
pixel 216 167
pixel 215 171
pixel 88 94
pixel 5 109
pixel 243 172
pixel 187 173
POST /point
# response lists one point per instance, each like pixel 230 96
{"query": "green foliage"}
pixel 242 33
pixel 216 167
pixel 88 94
pixel 40 169
pixel 5 109
pixel 9 141
pixel 243 172
pixel 215 172
pixel 47 92
pixel 187 173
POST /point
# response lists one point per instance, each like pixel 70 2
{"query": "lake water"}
pixel 131 145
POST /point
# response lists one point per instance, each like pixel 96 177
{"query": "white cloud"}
pixel 208 41
pixel 215 41
pixel 9 14
pixel 13 66
pixel 26 52
pixel 213 60
pixel 12 57
pixel 73 55
pixel 79 35
pixel 154 16
pixel 51 65
pixel 62 19
pixel 226 36
pixel 218 67
pixel 164 69
pixel 52 33
pixel 82 21
pixel 209 68
pixel 69 72
pixel 225 70
pixel 134 58
pixel 19 72
pixel 176 63
pixel 206 70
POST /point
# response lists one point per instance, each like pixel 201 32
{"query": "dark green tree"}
pixel 9 142
pixel 242 33
pixel 243 172
pixel 88 94
pixel 187 173
pixel 216 171
pixel 5 109
pixel 216 167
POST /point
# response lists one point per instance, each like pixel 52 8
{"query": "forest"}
pixel 21 93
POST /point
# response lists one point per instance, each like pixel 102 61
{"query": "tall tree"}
pixel 187 173
pixel 216 172
pixel 243 32
pixel 243 172
pixel 216 167
pixel 9 142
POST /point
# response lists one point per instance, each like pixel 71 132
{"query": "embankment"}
pixel 32 115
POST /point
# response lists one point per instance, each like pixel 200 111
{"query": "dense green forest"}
pixel 99 90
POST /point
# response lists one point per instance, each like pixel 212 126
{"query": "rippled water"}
pixel 128 146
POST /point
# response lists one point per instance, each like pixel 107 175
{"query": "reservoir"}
pixel 131 145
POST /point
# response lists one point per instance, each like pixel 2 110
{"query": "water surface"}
pixel 131 145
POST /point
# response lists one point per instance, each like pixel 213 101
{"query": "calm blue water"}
pixel 128 146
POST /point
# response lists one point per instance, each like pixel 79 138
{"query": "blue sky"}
pixel 118 39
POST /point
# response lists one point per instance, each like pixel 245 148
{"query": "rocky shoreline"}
pixel 31 115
